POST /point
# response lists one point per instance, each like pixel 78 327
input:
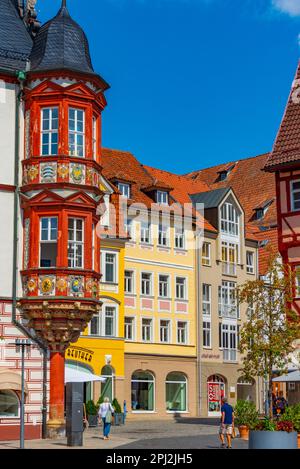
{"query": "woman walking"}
pixel 106 411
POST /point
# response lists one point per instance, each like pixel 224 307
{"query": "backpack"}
pixel 108 416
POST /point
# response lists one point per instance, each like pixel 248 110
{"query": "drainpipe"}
pixel 21 77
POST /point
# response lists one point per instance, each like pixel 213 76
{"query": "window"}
pixel 206 260
pixel 164 286
pixel 110 265
pixel 250 262
pixel 182 332
pixel 228 307
pixel 49 131
pixel 145 233
pixel 128 227
pixel 295 195
pixel 110 321
pixel 162 235
pixel 147 330
pixel 124 189
pixel 94 138
pixel 260 213
pixel 179 238
pixel 129 286
pixel 48 242
pixel 180 288
pixel 146 286
pixel 228 341
pixel 229 219
pixel 229 258
pixel 176 392
pixel 164 331
pixel 298 282
pixel 95 325
pixel 207 334
pixel 75 243
pixel 142 391
pixel 129 328
pixel 206 299
pixel 9 404
pixel 107 387
pixel 162 197
pixel 76 132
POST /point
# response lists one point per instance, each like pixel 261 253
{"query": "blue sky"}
pixel 194 83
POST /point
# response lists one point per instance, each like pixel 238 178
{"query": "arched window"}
pixel 107 388
pixel 142 391
pixel 215 392
pixel 176 392
pixel 9 404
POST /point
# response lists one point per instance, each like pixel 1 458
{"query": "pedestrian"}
pixel 227 423
pixel 281 404
pixel 106 411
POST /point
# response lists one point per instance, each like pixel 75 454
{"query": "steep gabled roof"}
pixel 211 199
pixel 286 150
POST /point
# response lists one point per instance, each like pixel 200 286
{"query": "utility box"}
pixel 74 414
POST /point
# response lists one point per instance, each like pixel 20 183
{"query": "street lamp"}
pixel 23 344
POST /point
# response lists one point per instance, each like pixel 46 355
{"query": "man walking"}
pixel 227 423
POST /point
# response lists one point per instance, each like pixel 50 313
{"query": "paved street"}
pixel 181 434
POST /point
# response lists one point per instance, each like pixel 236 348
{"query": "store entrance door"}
pixel 215 392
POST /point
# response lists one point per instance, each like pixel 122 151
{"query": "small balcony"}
pixel 230 355
pixel 228 268
pixel 228 311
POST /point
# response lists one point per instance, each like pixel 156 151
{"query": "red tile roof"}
pixel 286 149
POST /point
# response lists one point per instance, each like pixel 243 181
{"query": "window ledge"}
pixel 168 248
pixel 143 412
pixel 147 297
pixel 146 245
pixel 177 412
pixel 181 250
pixel 162 298
pixel 109 283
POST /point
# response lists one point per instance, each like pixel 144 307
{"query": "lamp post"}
pixel 23 344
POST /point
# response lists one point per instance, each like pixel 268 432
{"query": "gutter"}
pixel 21 78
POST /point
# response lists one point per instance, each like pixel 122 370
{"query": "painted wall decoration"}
pixel 61 284
pixel 92 287
pixel 47 285
pixel 30 173
pixel 63 171
pixel 76 285
pixel 48 172
pixel 77 173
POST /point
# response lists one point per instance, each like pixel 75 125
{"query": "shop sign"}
pixel 80 354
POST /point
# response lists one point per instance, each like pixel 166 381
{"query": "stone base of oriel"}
pixel 58 323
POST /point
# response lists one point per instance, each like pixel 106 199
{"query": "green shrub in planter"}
pixel 118 415
pixel 92 413
pixel 292 414
pixel 245 414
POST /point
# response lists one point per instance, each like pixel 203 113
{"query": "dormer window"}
pixel 224 173
pixel 295 199
pixel 262 209
pixel 229 219
pixel 162 197
pixel 76 132
pixel 124 189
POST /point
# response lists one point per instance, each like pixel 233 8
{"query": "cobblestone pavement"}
pixel 185 434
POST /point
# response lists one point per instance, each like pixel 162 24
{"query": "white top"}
pixel 104 408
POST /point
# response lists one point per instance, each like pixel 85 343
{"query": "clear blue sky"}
pixel 193 83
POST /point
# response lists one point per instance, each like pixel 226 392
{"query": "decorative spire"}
pixel 64 4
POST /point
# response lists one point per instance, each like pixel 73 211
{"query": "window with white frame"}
pixel 128 227
pixel 250 262
pixel 94 138
pixel 163 235
pixel 181 288
pixel 147 330
pixel 49 131
pixel 206 256
pixel 297 271
pixel 229 258
pixel 228 341
pixel 179 238
pixel 95 325
pixel 129 328
pixel 124 189
pixel 206 334
pixel 129 281
pixel 146 284
pixel 48 241
pixel 164 331
pixel 182 332
pixel 206 299
pixel 109 267
pixel 295 192
pixel 164 286
pixel 162 197
pixel 75 243
pixel 110 321
pixel 228 307
pixel 145 232
pixel 229 219
pixel 76 132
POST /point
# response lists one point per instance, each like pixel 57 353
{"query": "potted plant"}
pixel 92 413
pixel 271 434
pixel 245 417
pixel 118 415
pixel 292 413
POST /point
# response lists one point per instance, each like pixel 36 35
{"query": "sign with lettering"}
pixel 79 354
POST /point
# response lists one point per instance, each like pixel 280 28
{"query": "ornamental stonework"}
pixel 61 284
pixel 77 173
pixel 48 172
pixel 30 173
pixel 26 243
pixel 47 285
pixel 63 171
pixel 76 286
